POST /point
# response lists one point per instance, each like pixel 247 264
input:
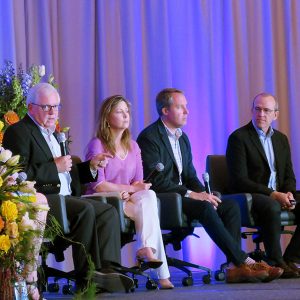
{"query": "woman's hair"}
pixel 103 131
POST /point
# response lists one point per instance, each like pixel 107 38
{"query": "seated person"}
pixel 259 162
pixel 124 173
pixel 93 224
pixel 165 142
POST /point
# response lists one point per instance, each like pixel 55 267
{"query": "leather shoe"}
pixel 274 272
pixel 293 267
pixel 112 281
pixel 151 263
pixel 243 273
pixel 287 271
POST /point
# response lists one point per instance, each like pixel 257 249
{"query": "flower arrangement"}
pixel 18 226
pixel 14 87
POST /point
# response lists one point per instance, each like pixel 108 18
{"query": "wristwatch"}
pixel 187 194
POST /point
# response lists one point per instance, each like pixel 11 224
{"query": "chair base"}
pixel 183 266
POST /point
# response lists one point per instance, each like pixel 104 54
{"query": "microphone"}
pixel 61 137
pixel 22 176
pixel 158 168
pixel 205 177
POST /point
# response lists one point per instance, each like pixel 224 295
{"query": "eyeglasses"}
pixel 267 111
pixel 47 107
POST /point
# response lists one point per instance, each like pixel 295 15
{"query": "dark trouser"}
pixel 266 213
pixel 96 225
pixel 222 225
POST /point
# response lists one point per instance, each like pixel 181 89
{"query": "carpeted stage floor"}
pixel 281 289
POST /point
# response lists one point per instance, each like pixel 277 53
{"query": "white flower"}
pixel 26 223
pixel 5 155
pixel 27 187
pixel 13 161
pixel 3 169
pixel 41 70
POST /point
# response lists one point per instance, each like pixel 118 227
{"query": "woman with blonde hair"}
pixel 124 173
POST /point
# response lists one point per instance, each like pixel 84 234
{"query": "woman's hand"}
pixel 125 196
pixel 140 186
pixel 100 161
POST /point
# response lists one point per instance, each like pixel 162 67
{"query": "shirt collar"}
pixel 176 134
pixel 261 133
pixel 44 130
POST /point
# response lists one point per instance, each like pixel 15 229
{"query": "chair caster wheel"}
pixel 151 284
pixel 219 275
pixel 68 289
pixel 187 281
pixel 53 287
pixel 206 279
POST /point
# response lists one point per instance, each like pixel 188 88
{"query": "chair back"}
pixel 216 166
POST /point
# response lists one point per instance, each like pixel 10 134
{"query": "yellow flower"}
pixel 1 181
pixel 9 211
pixel 12 230
pixel 4 243
pixel 1 125
pixel 1 223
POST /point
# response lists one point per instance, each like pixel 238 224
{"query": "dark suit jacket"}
pixel 26 139
pixel 248 166
pixel 156 147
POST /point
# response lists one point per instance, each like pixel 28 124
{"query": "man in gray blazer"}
pixel 259 162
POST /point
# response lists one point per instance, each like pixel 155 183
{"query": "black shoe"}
pixel 293 267
pixel 287 271
pixel 112 281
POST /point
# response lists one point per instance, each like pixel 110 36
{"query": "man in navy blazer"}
pixel 259 162
pixel 165 142
pixel 93 224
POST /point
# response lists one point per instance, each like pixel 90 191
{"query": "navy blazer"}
pixel 248 166
pixel 26 139
pixel 155 147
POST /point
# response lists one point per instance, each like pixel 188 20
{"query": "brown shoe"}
pixel 287 271
pixel 293 267
pixel 244 274
pixel 274 272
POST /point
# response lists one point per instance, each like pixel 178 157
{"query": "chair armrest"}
pixel 245 202
pixel 171 215
pixel 114 199
pixel 58 210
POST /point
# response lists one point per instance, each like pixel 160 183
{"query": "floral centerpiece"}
pixel 17 222
pixel 14 87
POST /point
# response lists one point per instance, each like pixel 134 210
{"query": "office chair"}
pixel 216 166
pixel 127 230
pixel 58 211
pixel 175 221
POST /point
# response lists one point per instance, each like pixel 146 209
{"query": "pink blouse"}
pixel 119 171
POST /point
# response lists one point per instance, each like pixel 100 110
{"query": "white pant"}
pixel 142 209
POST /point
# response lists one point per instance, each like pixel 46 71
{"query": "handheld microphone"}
pixel 205 177
pixel 61 137
pixel 158 168
pixel 22 176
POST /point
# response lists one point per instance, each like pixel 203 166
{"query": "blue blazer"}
pixel 155 147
